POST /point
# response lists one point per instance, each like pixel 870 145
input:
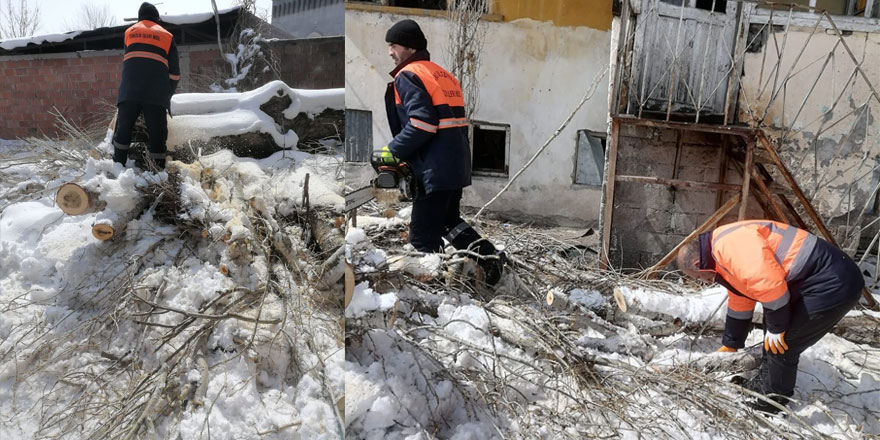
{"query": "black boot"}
pixel 493 267
pixel 751 384
pixel 120 153
pixel 765 406
pixel 464 236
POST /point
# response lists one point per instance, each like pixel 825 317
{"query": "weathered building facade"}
pixel 537 62
pixel 704 92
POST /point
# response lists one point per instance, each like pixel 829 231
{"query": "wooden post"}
pixel 808 207
pixel 777 210
pixel 747 178
pixel 607 205
pixel 797 217
pixel 76 200
pixel 722 169
pixel 715 218
pixel 677 162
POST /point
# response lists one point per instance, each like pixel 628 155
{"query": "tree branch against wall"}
pixel 466 35
pixel 19 20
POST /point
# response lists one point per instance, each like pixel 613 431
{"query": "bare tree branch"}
pixel 20 20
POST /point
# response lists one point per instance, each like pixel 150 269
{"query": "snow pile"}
pixel 198 321
pixel 451 360
pixel 201 116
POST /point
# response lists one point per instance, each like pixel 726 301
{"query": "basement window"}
pixel 490 146
pixel 590 158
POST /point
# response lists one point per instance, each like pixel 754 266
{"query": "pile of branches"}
pixel 128 354
pixel 560 371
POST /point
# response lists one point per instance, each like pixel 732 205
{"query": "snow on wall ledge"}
pixel 201 116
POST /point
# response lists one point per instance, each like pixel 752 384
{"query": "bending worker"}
pixel 805 286
pixel 150 72
pixel 426 113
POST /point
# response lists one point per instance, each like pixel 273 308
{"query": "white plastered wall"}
pixel 533 75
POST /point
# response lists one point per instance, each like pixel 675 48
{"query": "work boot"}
pixel 766 407
pixel 493 267
pixel 120 156
pixel 751 384
pixel 120 152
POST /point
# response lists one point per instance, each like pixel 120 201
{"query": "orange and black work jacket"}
pixel 777 265
pixel 150 67
pixel 425 110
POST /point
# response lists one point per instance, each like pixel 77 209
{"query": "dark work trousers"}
pixel 437 215
pixel 157 130
pixel 779 371
pixel 833 278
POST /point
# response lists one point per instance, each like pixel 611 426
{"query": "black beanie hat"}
pixel 148 12
pixel 407 33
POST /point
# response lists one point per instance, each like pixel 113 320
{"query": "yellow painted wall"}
pixel 591 13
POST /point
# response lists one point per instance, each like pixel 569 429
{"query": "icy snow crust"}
pixel 59 287
pixel 199 116
pixel 421 358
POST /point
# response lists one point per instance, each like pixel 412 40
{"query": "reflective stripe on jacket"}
pixel 775 264
pixel 150 66
pixel 425 111
pixel 758 257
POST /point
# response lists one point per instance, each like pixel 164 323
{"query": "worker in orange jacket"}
pixel 150 73
pixel 425 109
pixel 804 284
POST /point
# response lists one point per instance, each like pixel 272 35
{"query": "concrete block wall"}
pixel 650 220
pixel 83 86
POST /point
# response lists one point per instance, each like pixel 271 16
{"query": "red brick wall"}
pixel 80 88
pixel 83 86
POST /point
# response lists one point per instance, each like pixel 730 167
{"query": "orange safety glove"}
pixel 775 342
pixel 726 349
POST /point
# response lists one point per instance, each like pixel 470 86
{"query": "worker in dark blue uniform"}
pixel 150 72
pixel 425 110
pixel 804 284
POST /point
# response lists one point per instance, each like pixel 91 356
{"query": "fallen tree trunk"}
pixel 860 329
pixel 73 199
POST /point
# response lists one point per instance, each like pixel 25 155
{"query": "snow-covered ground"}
pixel 430 356
pixel 190 324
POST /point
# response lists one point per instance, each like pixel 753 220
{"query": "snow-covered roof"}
pixel 37 39
pixel 188 29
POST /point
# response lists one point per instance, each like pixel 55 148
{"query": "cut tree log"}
pixel 76 200
pixel 109 224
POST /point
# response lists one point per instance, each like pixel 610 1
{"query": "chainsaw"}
pixel 389 175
